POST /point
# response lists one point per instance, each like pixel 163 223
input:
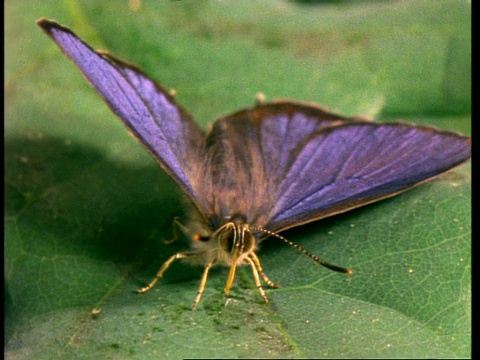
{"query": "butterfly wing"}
pixel 164 128
pixel 302 163
pixel 348 166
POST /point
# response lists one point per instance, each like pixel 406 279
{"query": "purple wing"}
pixel 302 163
pixel 164 128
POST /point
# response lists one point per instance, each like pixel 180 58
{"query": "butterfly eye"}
pixel 198 237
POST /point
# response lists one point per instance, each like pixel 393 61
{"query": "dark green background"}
pixel 87 208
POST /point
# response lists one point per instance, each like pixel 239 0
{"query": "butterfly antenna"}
pixel 304 251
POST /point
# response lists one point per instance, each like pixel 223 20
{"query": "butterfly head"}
pixel 232 244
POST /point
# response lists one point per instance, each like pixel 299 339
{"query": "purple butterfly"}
pixel 266 169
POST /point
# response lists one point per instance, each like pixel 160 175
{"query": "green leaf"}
pixel 87 208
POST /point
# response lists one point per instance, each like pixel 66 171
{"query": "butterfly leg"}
pixel 203 282
pixel 256 278
pixel 177 224
pixel 162 270
pixel 259 269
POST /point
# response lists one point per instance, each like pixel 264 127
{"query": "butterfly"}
pixel 264 169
